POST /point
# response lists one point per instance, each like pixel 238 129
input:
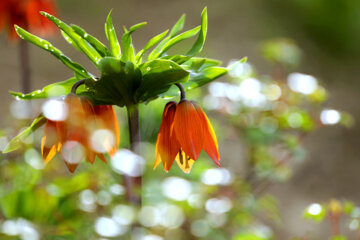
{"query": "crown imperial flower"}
pixel 72 137
pixel 185 130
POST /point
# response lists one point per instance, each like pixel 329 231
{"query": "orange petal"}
pixel 167 145
pixel 49 141
pixel 102 157
pixel 210 144
pixel 106 119
pixel 184 161
pixel 188 129
pixel 71 167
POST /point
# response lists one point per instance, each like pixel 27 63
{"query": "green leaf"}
pixel 179 25
pixel 175 40
pixel 128 48
pixel 174 30
pixel 198 79
pixel 155 40
pixel 70 41
pixel 16 142
pixel 118 82
pixel 199 43
pixel 158 76
pixel 198 64
pixel 53 90
pixel 235 64
pixel 77 68
pixel 94 42
pixel 85 47
pixel 111 36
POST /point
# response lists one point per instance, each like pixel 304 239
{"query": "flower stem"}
pixel 76 85
pixel 182 91
pixel 133 184
pixel 25 67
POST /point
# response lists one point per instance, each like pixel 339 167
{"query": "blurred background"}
pixel 288 158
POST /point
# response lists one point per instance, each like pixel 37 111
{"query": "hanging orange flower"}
pixel 25 13
pixel 185 130
pixel 80 134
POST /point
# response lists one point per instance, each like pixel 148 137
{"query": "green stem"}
pixel 133 184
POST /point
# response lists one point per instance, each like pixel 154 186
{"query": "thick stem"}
pixel 25 67
pixel 133 184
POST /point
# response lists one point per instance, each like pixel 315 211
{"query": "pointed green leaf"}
pixel 179 25
pixel 16 142
pixel 175 40
pixel 86 48
pixel 152 42
pixel 53 90
pixel 158 76
pixel 94 42
pixel 174 30
pixel 112 38
pixel 77 68
pixel 199 43
pixel 70 41
pixel 128 48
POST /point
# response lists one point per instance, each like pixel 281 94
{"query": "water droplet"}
pixel 148 68
pixel 85 35
pixel 170 67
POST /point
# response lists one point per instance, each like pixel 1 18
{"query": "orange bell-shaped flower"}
pixel 185 130
pixel 87 131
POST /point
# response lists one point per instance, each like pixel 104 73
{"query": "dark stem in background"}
pixel 25 67
pixel 133 184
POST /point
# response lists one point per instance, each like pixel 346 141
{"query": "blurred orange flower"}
pixel 25 13
pixel 87 131
pixel 184 131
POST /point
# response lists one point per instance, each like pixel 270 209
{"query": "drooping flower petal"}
pixel 167 145
pixel 210 144
pixel 50 141
pixel 184 161
pixel 106 119
pixel 188 129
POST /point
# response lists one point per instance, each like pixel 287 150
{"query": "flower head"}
pixel 25 13
pixel 74 137
pixel 185 130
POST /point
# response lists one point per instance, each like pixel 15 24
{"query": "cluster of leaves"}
pixel 125 78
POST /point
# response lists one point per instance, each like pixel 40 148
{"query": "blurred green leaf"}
pixel 85 47
pixel 315 212
pixel 77 68
pixel 112 38
pixel 16 142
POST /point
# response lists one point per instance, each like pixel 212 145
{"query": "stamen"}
pixel 181 157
